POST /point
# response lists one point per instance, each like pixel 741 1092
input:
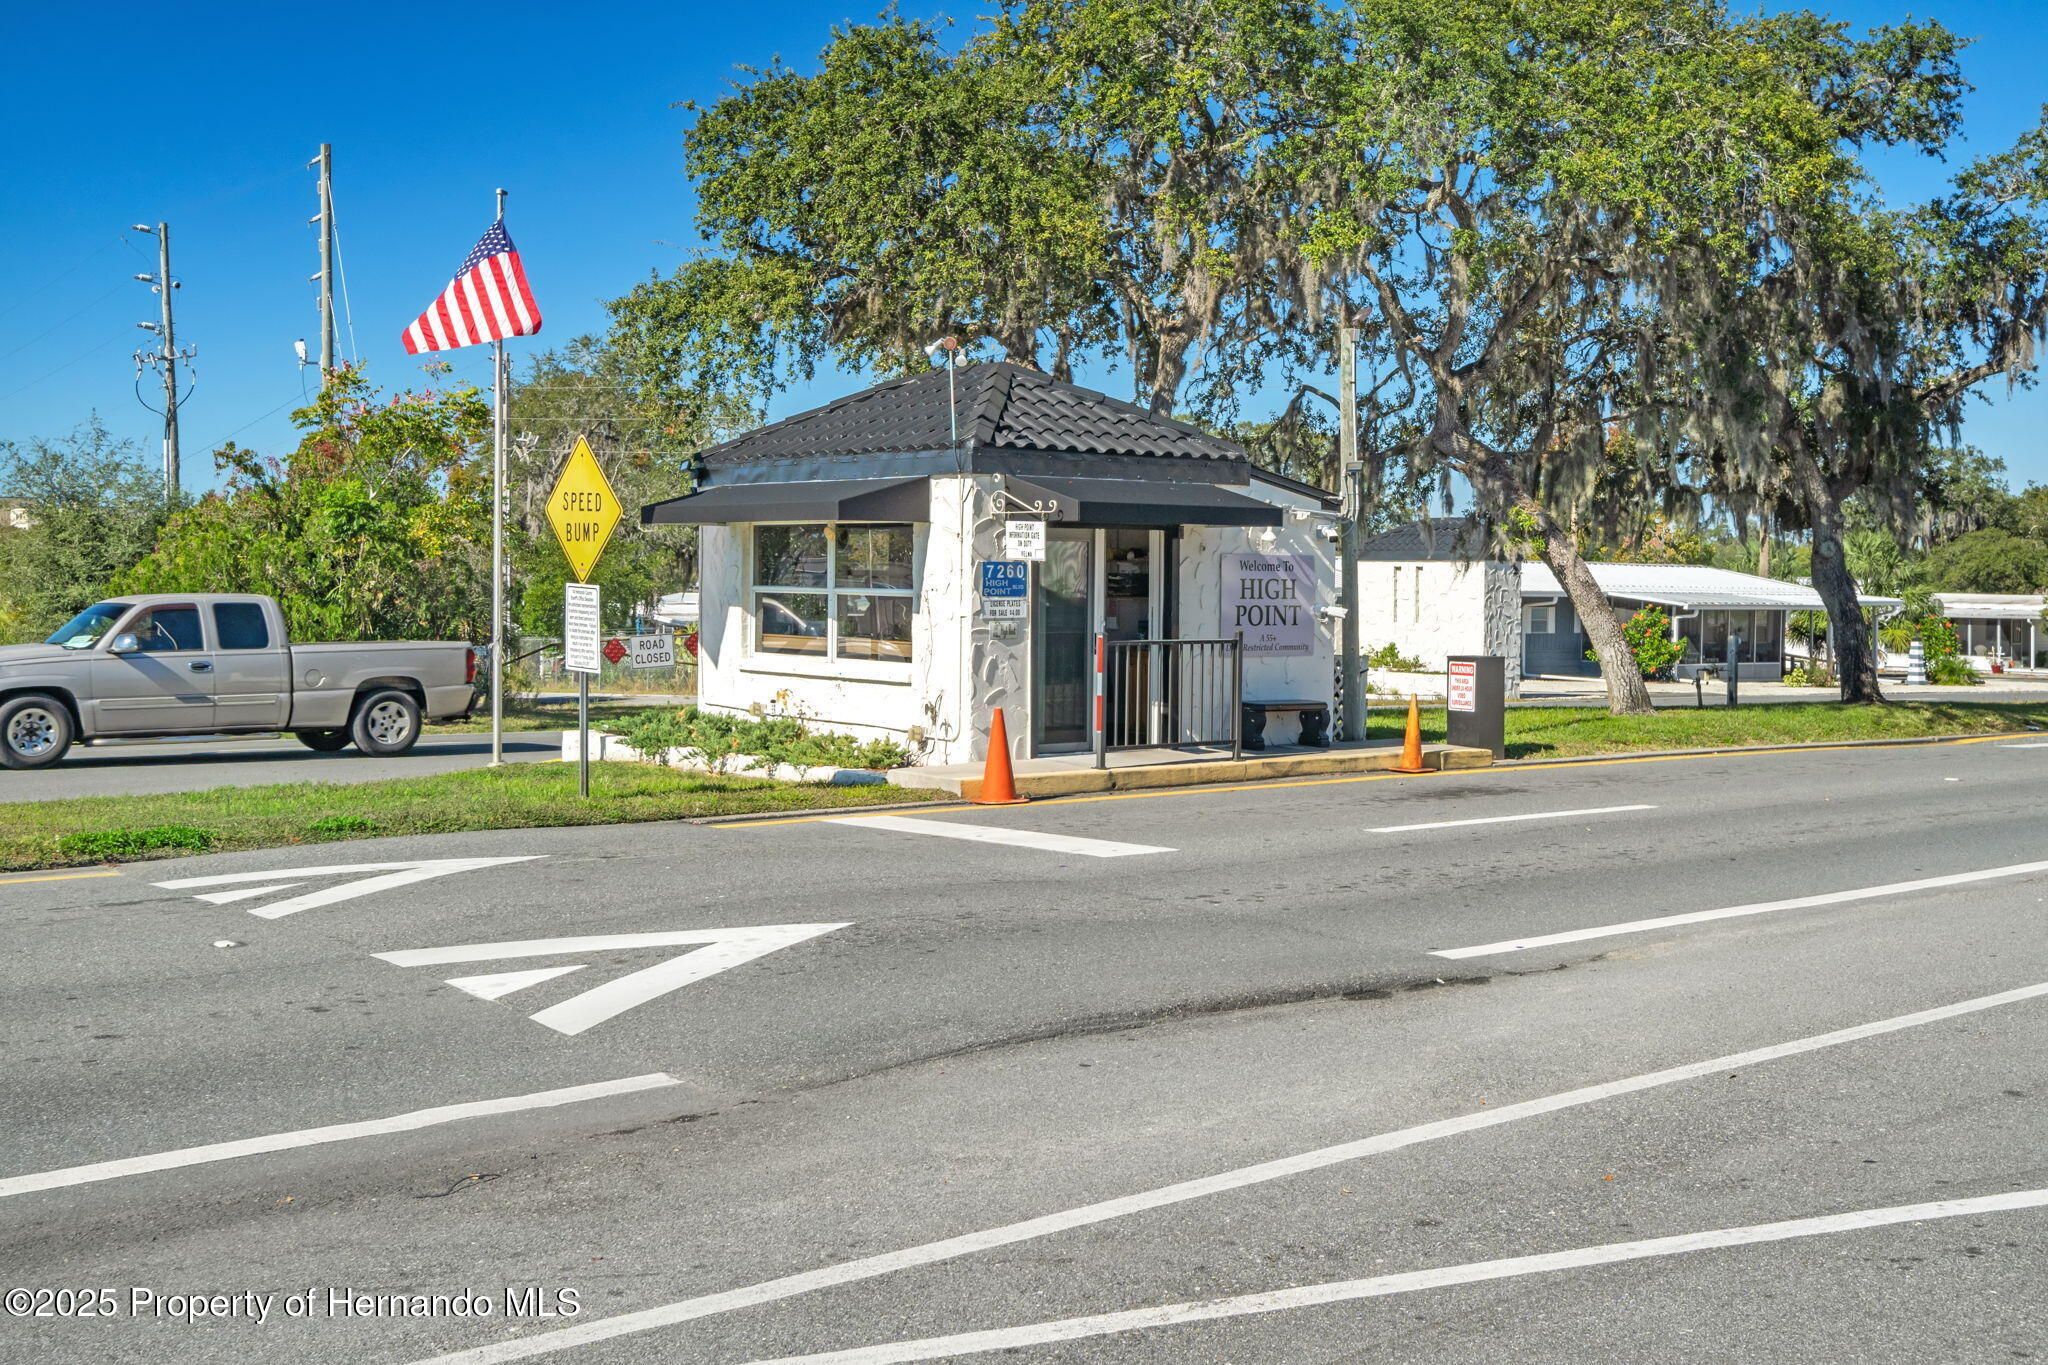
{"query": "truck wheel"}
pixel 35 731
pixel 385 723
pixel 326 741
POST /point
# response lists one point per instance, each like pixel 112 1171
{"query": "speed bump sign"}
pixel 583 509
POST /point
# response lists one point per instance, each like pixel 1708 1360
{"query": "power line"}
pixel 62 276
pixel 90 350
pixel 57 325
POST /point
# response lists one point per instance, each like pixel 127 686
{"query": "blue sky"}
pixel 206 120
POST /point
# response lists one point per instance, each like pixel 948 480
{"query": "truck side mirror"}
pixel 124 643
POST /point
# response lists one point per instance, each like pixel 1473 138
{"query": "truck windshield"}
pixel 84 630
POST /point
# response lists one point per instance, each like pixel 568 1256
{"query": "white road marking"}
pixel 716 950
pixel 1637 926
pixel 1380 1286
pixel 339 1132
pixel 2041 745
pixel 1087 1215
pixel 996 834
pixel 504 983
pixel 1507 819
pixel 243 893
pixel 395 875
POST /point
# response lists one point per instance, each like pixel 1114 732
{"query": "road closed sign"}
pixel 1271 601
pixel 583 509
pixel 652 651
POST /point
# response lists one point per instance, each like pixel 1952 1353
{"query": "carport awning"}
pixel 1144 502
pixel 814 500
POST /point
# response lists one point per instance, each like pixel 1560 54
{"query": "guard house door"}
pixel 1112 580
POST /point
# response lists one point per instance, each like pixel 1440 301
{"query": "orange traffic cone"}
pixel 1411 747
pixel 998 787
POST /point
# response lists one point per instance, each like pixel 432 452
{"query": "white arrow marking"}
pixel 504 983
pixel 719 949
pixel 395 875
pixel 242 893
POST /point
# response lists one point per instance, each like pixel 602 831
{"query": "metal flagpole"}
pixel 498 424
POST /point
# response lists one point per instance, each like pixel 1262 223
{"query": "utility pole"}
pixel 1351 668
pixel 325 218
pixel 167 355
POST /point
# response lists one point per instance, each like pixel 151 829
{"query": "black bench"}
pixel 1315 722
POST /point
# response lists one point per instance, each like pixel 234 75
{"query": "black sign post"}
pixel 1476 702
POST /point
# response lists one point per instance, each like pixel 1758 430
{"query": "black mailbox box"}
pixel 1476 702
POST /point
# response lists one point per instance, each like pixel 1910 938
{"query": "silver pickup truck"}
pixel 157 666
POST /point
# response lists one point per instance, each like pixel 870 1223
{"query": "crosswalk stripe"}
pixel 996 834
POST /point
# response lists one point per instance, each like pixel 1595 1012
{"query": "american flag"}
pixel 487 300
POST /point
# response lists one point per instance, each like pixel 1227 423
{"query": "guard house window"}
pixel 833 591
pixel 1542 619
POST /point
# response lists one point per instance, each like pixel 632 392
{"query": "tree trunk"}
pixel 1626 693
pixel 1855 658
pixel 1763 546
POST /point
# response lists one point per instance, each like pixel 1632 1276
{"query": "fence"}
pixel 1168 694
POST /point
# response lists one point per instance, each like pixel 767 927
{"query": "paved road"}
pixel 962 1088
pixel 121 769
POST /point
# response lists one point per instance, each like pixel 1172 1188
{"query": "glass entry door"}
pixel 1113 580
pixel 1065 612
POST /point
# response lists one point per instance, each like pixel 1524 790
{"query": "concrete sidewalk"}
pixel 1589 692
pixel 1135 769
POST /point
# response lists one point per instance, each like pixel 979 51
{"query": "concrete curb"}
pixel 1911 741
pixel 771 816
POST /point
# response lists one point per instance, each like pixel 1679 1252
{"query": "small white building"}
pixel 1430 589
pixel 855 570
pixel 1998 631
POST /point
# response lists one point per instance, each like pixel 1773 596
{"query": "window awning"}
pixel 814 500
pixel 1144 502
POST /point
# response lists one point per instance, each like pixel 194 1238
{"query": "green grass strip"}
pixel 1578 731
pixel 77 830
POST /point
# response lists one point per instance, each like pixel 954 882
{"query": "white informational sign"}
pixel 581 644
pixel 1271 600
pixel 652 651
pixel 1462 688
pixel 1024 538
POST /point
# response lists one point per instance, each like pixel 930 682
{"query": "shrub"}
pixel 1810 675
pixel 1648 633
pixel 778 739
pixel 1389 656
pixel 1952 672
pixel 107 845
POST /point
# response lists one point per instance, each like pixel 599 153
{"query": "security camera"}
pixel 1330 532
pixel 1332 613
pixel 1300 513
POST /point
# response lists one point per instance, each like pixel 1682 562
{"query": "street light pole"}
pixel 1351 664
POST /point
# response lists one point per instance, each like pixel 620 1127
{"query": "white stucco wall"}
pixel 1200 588
pixel 1432 609
pixel 960 669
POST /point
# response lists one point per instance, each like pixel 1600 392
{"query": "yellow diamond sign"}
pixel 583 510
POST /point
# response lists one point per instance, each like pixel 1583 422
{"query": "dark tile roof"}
pixel 1455 538
pixel 1000 405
